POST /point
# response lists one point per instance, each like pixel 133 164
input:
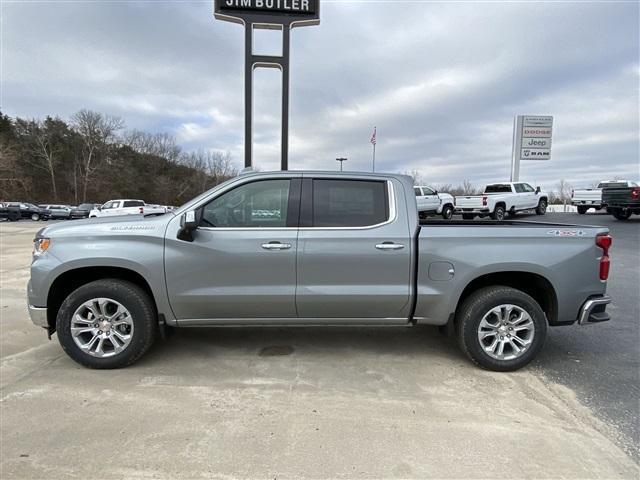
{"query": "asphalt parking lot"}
pixel 322 403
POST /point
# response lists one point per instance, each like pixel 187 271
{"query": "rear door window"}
pixel 498 188
pixel 349 203
pixel 133 203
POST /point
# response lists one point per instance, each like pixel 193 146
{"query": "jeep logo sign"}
pixel 276 11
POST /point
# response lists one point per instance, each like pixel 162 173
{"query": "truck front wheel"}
pixel 541 209
pixel 107 323
pixel 447 212
pixel 501 328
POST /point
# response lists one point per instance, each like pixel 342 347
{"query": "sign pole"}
pixel 284 161
pixel 515 152
pixel 273 15
pixel 248 94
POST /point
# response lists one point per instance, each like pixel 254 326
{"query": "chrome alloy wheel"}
pixel 102 327
pixel 506 332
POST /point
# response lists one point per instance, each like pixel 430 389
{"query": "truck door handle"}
pixel 276 246
pixel 389 246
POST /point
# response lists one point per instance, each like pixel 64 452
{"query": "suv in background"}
pixel 55 211
pixel 83 210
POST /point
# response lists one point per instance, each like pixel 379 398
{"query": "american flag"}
pixel 373 137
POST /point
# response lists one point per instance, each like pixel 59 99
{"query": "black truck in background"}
pixel 622 202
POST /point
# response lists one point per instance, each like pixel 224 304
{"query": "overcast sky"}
pixel 441 81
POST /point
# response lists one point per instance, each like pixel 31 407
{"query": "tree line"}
pixel 92 158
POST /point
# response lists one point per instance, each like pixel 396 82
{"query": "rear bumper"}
pixel 38 316
pixel 594 310
pixel 477 211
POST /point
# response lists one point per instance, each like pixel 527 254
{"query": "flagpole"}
pixel 374 141
pixel 374 157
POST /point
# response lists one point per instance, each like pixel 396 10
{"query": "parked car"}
pixel 336 249
pixel 622 201
pixel 9 212
pixel 500 199
pixel 83 210
pixel 55 212
pixel 431 202
pixel 588 198
pixel 28 210
pixel 126 207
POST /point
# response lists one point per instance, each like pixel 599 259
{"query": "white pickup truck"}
pixel 115 208
pixel 587 198
pixel 500 199
pixel 432 202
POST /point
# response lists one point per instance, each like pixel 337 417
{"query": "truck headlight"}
pixel 41 245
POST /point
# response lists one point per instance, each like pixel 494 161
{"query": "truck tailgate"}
pixel 469 202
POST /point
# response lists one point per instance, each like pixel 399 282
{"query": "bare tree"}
pixel 211 168
pixel 97 131
pixel 563 191
pixel 43 147
pixel 158 144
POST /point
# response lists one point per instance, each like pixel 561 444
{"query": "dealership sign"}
pixel 276 15
pixel 269 12
pixel 531 141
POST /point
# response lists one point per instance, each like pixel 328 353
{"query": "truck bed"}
pixel 452 254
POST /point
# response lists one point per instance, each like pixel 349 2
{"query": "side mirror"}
pixel 537 189
pixel 188 224
pixel 435 192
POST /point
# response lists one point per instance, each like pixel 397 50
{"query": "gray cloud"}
pixel 441 81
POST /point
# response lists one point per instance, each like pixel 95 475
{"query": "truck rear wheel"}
pixel 107 324
pixel 501 328
pixel 498 213
pixel 582 210
pixel 621 214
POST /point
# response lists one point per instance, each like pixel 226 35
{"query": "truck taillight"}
pixel 604 241
pixel 484 201
pixel 141 210
pixel 635 193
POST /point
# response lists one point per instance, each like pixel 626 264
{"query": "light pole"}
pixel 341 159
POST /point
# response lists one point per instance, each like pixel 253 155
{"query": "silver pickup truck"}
pixel 313 248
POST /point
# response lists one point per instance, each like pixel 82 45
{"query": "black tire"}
pixel 582 210
pixel 621 214
pixel 447 212
pixel 133 298
pixel 541 209
pixel 468 216
pixel 470 315
pixel 498 213
pixel 35 217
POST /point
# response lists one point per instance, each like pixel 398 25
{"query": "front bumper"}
pixel 38 316
pixel 594 310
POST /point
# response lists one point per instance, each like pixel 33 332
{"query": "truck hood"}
pixel 108 226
